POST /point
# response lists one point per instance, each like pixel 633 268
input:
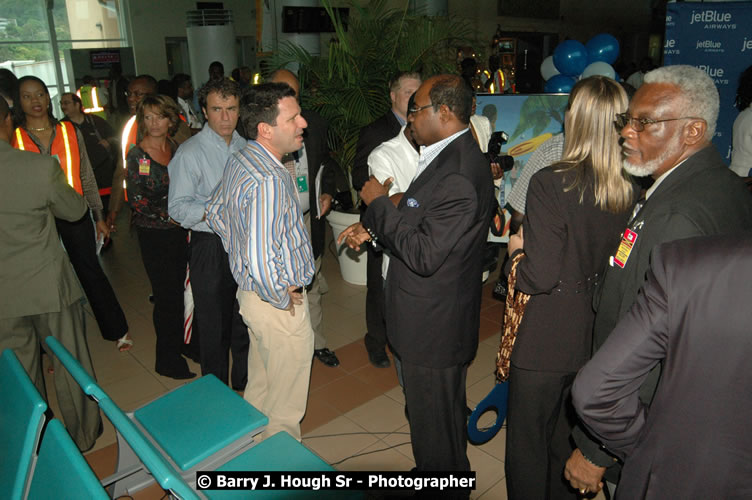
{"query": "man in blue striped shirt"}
pixel 256 211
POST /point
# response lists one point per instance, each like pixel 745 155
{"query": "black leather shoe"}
pixel 379 359
pixel 177 374
pixel 326 356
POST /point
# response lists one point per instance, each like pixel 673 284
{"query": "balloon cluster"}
pixel 572 60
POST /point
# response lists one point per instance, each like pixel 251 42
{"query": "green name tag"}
pixel 302 182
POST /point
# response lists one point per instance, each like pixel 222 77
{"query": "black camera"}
pixel 497 140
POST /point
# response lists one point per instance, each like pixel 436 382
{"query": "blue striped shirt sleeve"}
pixel 256 213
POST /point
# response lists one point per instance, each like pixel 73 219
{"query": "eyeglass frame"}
pixel 411 111
pixel 631 120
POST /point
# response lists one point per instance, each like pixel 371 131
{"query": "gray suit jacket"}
pixel 35 276
pixel 693 316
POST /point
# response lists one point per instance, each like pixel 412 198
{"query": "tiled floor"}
pixel 355 418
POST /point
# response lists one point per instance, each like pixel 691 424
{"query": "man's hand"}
pixel 103 230
pixel 326 204
pixel 296 298
pixel 516 242
pixel 496 171
pixel 373 189
pixel 354 236
pixel 583 475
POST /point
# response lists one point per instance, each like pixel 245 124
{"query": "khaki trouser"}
pixel 279 361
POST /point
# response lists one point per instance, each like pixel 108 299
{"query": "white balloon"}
pixel 599 68
pixel 548 69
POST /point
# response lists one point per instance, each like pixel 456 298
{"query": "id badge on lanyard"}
pixel 628 240
pixel 301 179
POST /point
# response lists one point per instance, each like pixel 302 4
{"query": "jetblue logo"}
pixel 713 19
pixel 710 16
pixel 746 44
pixel 708 44
pixel 717 74
pixel 669 47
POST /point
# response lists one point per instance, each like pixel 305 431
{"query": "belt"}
pixel 572 287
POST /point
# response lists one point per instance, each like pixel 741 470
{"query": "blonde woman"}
pixel 575 211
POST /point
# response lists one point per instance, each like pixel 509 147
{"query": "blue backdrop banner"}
pixel 715 37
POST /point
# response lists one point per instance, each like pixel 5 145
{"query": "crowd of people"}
pixel 228 187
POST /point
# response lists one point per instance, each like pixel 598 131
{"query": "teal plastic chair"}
pixel 198 426
pixel 280 452
pixel 161 470
pixel 61 471
pixel 277 453
pixel 21 420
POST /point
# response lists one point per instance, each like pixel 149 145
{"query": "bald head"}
pixel 288 77
pixel 140 87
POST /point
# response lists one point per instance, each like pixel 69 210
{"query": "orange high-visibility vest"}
pixel 64 148
pixel 89 96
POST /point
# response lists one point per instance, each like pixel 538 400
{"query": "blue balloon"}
pixel 559 84
pixel 570 57
pixel 603 47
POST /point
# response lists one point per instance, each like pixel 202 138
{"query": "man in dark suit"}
pixel 402 86
pixel 695 440
pixel 315 153
pixel 39 292
pixel 433 285
pixel 667 133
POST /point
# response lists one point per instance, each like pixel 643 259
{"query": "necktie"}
pixel 637 208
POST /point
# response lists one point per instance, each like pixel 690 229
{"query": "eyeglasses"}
pixel 418 109
pixel 638 124
pixel 135 94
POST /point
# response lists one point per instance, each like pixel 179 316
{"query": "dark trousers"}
pixel 216 317
pixel 80 243
pixel 540 419
pixel 438 425
pixel 165 254
pixel 375 339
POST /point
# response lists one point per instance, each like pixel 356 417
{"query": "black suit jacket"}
pixel 371 136
pixel 693 316
pixel 701 197
pixel 567 244
pixel 436 235
pixel 317 154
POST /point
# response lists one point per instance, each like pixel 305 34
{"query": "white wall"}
pixel 151 21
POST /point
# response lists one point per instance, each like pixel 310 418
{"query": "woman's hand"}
pixel 516 242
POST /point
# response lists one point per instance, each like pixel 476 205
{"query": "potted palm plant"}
pixel 348 85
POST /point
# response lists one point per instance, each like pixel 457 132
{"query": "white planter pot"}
pixel 352 264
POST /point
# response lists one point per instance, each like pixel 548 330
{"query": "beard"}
pixel 649 167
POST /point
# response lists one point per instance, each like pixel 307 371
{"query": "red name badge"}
pixel 625 248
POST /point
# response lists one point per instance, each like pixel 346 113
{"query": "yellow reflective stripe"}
pixel 68 168
pixel 95 100
pixel 95 107
pixel 19 140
